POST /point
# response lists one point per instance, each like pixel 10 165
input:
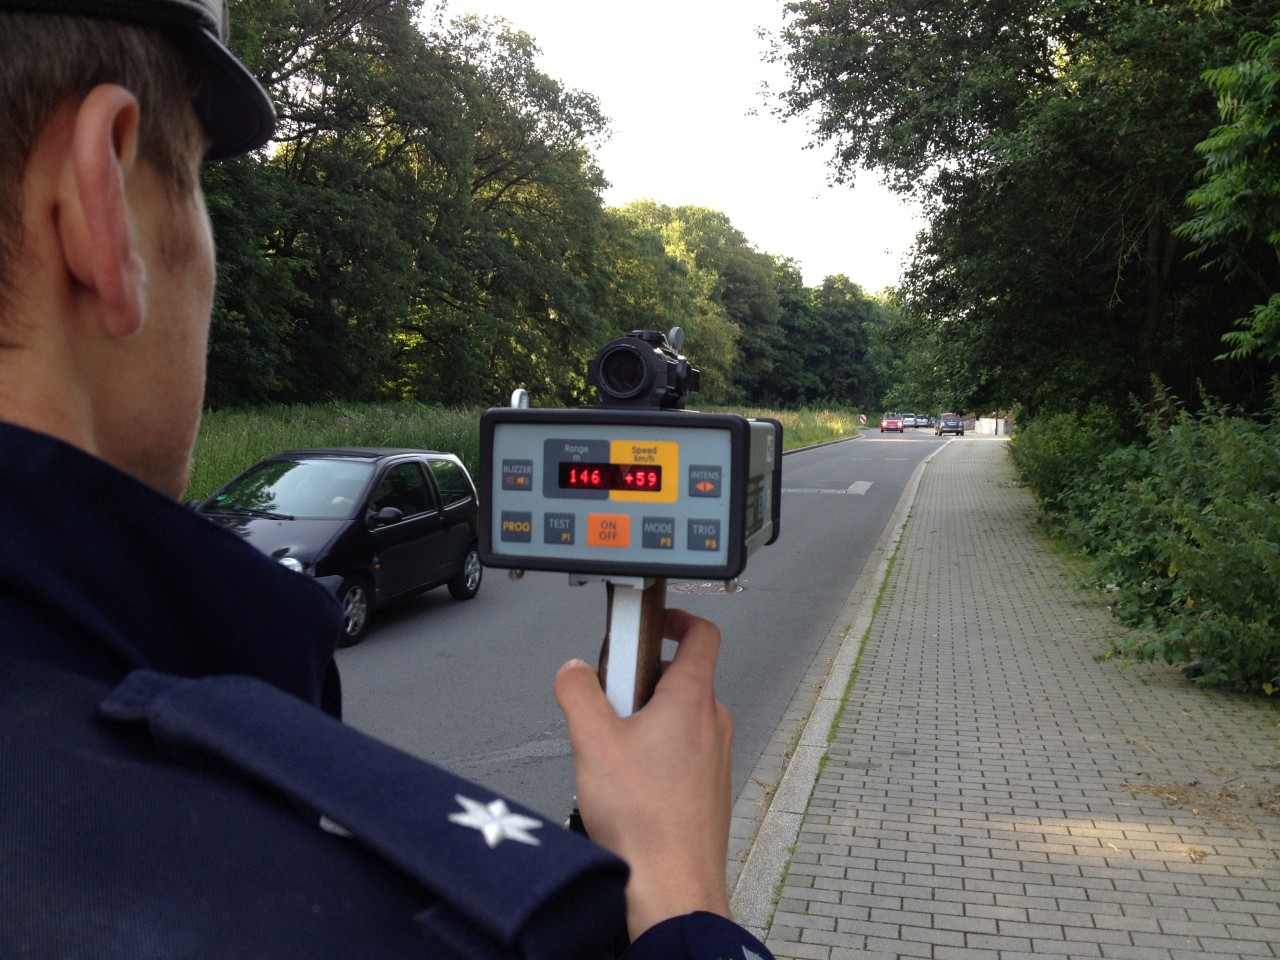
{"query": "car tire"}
pixel 357 605
pixel 467 583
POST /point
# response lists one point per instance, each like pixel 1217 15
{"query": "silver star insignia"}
pixel 496 822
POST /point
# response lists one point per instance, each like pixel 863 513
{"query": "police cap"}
pixel 235 110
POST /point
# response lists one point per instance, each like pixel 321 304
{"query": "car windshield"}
pixel 320 488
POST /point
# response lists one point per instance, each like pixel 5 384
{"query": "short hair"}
pixel 46 59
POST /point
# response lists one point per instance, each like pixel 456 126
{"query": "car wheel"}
pixel 467 583
pixel 355 600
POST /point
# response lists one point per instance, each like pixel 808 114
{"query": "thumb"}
pixel 580 696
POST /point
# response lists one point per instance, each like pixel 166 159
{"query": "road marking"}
pixel 857 489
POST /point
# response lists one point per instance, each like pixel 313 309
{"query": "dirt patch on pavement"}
pixel 1230 805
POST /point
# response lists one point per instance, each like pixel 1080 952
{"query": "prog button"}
pixel 517 526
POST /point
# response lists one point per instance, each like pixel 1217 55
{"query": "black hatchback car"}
pixel 370 523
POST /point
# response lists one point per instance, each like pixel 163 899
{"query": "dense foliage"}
pixel 428 226
pixel 1101 184
pixel 1182 529
pixel 1059 149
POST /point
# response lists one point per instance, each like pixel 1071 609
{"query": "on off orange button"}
pixel 608 530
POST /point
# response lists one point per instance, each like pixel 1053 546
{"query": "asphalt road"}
pixel 467 685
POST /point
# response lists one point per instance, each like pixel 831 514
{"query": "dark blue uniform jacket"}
pixel 174 782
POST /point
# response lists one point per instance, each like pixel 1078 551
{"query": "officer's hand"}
pixel 655 787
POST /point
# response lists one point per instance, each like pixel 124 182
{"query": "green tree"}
pixel 843 313
pixel 249 343
pixel 1237 209
pixel 1052 145
pixel 428 224
pixel 828 335
pixel 326 225
pixel 795 379
pixel 702 241
pixel 640 285
pixel 750 299
pixel 909 88
pixel 537 226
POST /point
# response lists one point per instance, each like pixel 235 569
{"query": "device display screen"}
pixel 610 476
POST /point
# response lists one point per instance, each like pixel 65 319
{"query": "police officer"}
pixel 174 782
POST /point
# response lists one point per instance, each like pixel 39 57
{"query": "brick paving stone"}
pixel 999 788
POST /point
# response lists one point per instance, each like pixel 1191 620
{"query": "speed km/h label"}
pixel 650 463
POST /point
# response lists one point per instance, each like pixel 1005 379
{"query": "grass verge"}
pixel 232 440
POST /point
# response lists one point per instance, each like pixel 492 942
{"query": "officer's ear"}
pixel 95 225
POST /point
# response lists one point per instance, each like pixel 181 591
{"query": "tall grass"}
pixel 231 440
pixel 804 428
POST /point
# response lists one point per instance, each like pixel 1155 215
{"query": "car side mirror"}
pixel 386 516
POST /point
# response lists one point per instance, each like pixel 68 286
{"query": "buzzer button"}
pixel 517 474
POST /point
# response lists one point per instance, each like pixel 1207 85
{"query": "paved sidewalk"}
pixel 994 791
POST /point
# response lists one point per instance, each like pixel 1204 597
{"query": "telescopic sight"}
pixel 642 370
pixel 623 372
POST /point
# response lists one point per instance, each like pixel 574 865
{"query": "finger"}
pixel 698 642
pixel 580 696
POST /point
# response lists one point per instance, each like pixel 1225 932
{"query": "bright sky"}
pixel 681 81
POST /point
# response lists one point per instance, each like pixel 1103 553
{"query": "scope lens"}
pixel 623 372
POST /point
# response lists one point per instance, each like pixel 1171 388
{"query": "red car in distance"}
pixel 891 422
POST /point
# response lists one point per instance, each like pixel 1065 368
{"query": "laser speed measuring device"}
pixel 637 487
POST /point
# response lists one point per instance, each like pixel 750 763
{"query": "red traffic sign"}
pixel 862 419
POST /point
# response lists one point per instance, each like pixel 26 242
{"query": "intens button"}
pixel 705 480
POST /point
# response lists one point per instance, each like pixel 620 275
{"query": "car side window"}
pixel 451 481
pixel 405 488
